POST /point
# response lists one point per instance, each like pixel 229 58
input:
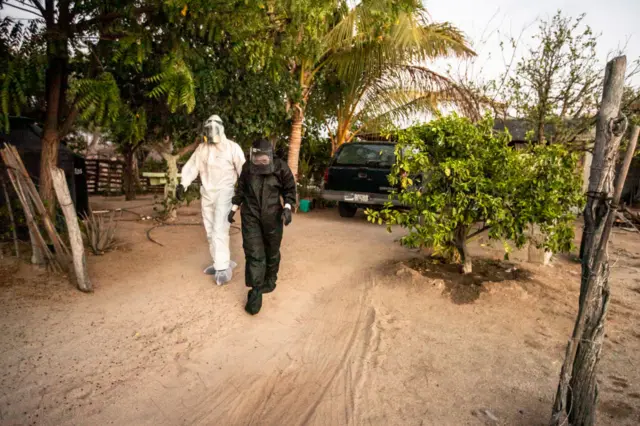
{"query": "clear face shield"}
pixel 261 159
pixel 213 131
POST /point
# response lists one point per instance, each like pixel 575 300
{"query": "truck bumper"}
pixel 365 199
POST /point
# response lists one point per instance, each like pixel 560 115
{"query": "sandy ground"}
pixel 350 336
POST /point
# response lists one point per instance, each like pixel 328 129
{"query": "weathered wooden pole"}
pixel 75 237
pixel 11 218
pixel 578 390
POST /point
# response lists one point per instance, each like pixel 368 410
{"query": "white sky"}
pixel 617 22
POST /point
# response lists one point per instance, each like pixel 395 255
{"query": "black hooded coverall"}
pixel 261 213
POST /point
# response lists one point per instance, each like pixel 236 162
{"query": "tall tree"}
pixel 82 37
pixel 558 80
pixel 331 36
pixel 395 82
pixel 128 131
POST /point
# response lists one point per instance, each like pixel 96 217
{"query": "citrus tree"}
pixel 460 179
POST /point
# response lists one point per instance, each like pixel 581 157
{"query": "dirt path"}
pixel 348 337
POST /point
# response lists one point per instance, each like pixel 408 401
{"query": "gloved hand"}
pixel 287 217
pixel 230 217
pixel 180 193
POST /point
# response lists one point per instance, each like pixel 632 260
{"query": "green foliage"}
pixel 454 174
pixel 316 153
pixel 165 206
pixel 380 66
pixel 558 81
pixel 21 70
pixel 631 103
pixel 129 128
pixel 176 84
pixel 548 193
pixel 98 99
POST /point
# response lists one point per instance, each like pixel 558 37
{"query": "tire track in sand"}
pixel 316 378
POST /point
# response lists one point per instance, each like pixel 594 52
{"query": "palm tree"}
pixel 376 50
pixel 382 97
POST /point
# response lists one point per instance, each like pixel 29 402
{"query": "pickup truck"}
pixel 357 176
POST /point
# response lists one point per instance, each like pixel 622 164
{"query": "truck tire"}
pixel 347 209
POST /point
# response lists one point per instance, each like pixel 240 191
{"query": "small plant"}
pixel 166 206
pixel 304 180
pixel 100 232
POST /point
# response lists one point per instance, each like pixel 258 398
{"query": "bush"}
pixel 100 232
pixel 455 174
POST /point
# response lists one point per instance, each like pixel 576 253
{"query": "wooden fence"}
pixel 104 177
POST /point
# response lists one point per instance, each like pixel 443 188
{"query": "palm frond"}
pixel 409 39
pixel 399 93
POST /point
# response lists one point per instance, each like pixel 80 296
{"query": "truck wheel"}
pixel 346 209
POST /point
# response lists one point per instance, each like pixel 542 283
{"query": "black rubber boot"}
pixel 254 302
pixel 268 287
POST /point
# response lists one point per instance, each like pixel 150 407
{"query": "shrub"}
pixel 455 174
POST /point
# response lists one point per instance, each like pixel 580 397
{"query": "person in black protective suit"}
pixel 264 180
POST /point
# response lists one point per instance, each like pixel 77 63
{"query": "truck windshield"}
pixel 366 155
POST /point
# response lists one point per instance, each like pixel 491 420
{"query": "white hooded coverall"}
pixel 219 165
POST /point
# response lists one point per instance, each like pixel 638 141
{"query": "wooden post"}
pixel 11 218
pixel 75 237
pixel 37 256
pixel 31 191
pixel 40 248
pixel 577 389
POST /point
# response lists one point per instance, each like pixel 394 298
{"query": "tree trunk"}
pixel 541 137
pixel 48 160
pixel 129 177
pixel 75 237
pixel 172 183
pixel 577 389
pixel 95 140
pixel 341 136
pixel 56 53
pixel 295 139
pixel 172 174
pixel 461 245
pixel 135 171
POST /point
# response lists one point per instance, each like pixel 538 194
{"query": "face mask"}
pixel 213 130
pixel 261 160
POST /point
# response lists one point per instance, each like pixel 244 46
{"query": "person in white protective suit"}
pixel 219 162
